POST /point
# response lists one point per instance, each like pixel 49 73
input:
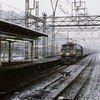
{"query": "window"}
pixel 67 46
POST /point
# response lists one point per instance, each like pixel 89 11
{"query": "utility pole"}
pixel 36 28
pixel 28 10
pixel 44 31
pixel 53 29
pixel 79 8
pixel 26 25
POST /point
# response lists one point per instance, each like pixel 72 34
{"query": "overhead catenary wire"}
pixel 10 16
pixel 65 2
pixel 12 6
pixel 62 9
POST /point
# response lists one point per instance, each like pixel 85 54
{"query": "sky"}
pixel 18 6
pixel 45 5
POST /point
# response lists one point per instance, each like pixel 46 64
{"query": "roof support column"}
pixel 36 28
pixel 9 51
pixel 0 52
pixel 36 48
pixel 26 50
pixel 32 47
pixel 44 30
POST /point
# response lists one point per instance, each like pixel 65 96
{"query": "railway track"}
pixel 71 91
pixel 48 89
pixel 8 88
pixel 48 84
pixel 48 92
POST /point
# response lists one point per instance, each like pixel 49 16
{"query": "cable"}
pixel 10 16
pixel 68 2
pixel 61 8
pixel 11 6
pixel 64 2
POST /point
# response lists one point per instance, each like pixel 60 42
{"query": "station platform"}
pixel 20 69
pixel 21 62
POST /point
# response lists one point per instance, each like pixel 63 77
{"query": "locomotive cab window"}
pixel 67 46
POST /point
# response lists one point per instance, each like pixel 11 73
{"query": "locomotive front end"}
pixel 68 53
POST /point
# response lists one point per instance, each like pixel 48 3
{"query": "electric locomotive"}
pixel 70 52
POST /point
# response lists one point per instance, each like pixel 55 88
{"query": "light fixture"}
pixel 16 40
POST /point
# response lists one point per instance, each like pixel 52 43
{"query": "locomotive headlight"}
pixel 61 53
pixel 74 53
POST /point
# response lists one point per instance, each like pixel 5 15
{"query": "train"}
pixel 71 52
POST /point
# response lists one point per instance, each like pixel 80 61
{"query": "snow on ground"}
pixel 18 59
pixel 39 86
pixel 91 90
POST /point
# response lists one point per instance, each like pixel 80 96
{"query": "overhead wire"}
pixel 64 2
pixel 69 3
pixel 11 15
pixel 61 8
pixel 12 6
pixel 91 40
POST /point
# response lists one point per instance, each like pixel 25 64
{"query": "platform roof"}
pixel 8 29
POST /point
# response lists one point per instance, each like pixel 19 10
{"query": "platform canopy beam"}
pixel 0 51
pixel 16 31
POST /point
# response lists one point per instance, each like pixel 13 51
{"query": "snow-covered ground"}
pixel 17 59
pixel 91 90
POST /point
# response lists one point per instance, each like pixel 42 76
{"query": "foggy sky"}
pixel 45 5
pixel 93 7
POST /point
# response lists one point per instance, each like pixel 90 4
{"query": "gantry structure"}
pixel 78 21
